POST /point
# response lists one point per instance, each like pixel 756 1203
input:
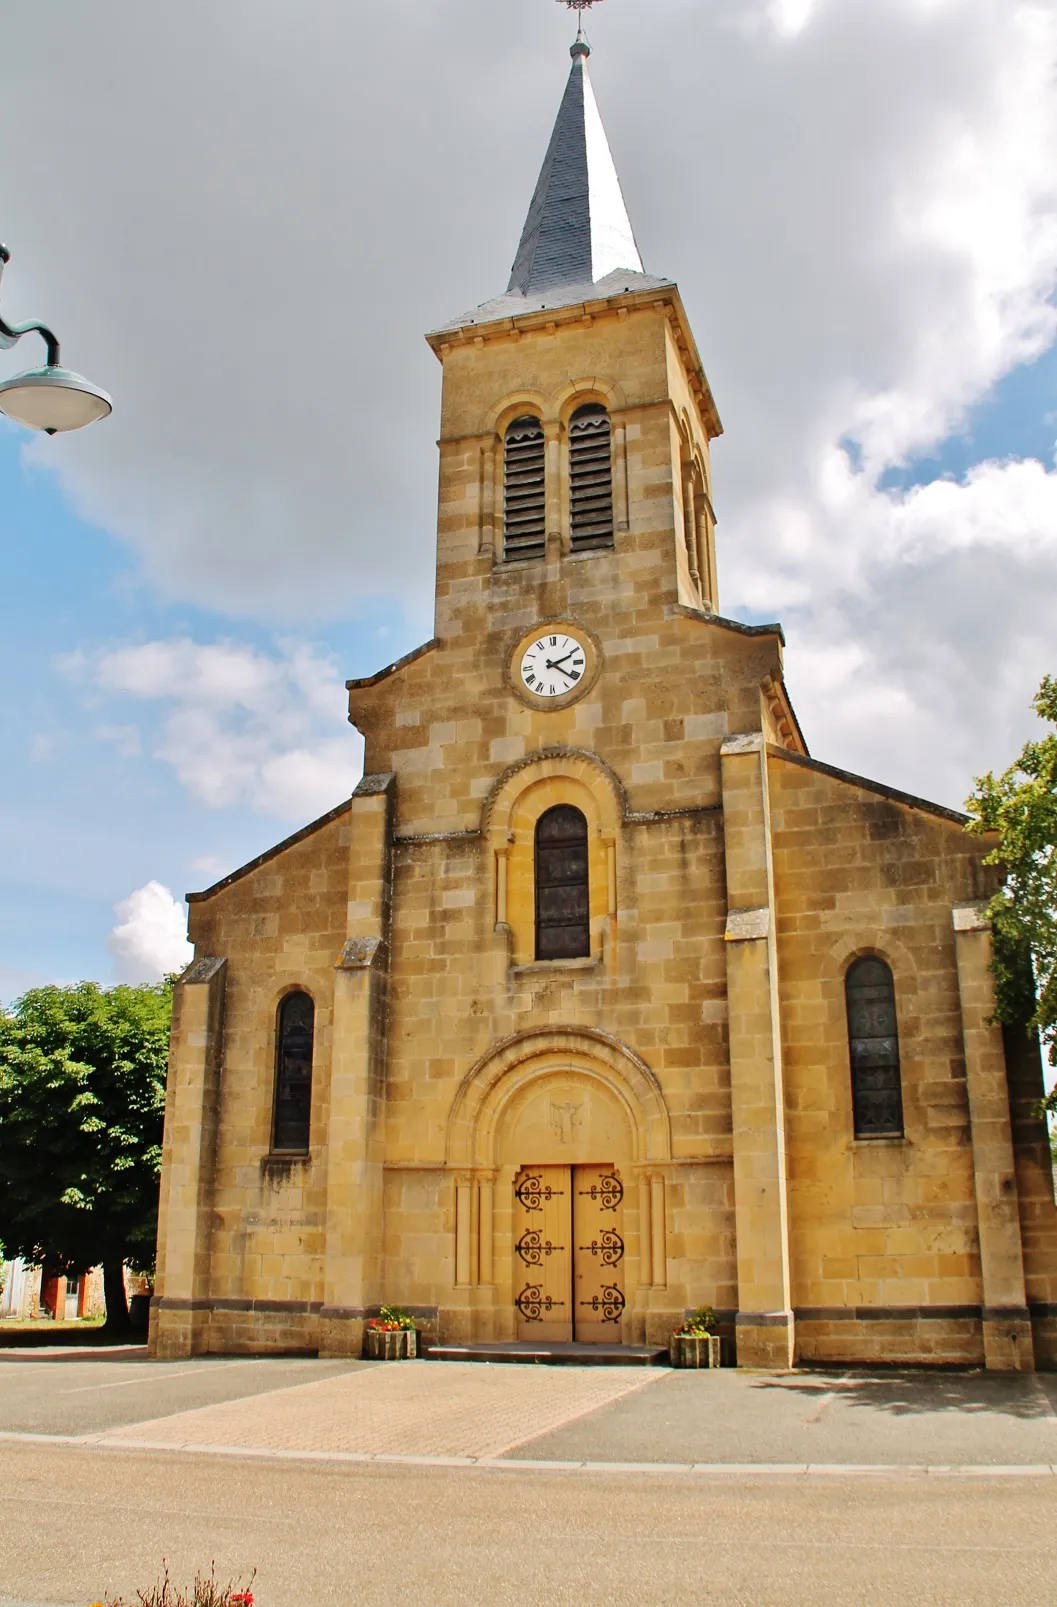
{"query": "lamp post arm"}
pixel 10 334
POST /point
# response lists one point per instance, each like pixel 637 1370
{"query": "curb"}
pixel 724 1470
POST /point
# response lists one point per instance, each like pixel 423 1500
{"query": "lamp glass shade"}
pixel 53 399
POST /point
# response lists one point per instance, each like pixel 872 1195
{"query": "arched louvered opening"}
pixel 590 479
pixel 563 914
pixel 873 1041
pixel 295 1036
pixel 524 490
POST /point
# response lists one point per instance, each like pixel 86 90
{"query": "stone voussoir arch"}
pixel 855 944
pixel 498 1076
pixel 516 404
pixel 577 764
pixel 578 391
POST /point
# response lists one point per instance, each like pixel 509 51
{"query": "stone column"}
pixel 352 1269
pixel 645 1236
pixel 658 1233
pixel 765 1335
pixel 1008 1345
pixel 486 501
pixel 179 1320
pixel 557 493
pixel 620 476
pixel 486 1227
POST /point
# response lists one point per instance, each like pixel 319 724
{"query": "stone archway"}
pixel 566 1100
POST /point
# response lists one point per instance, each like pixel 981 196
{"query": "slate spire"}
pixel 578 230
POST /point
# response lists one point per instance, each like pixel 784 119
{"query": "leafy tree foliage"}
pixel 82 1092
pixel 1021 806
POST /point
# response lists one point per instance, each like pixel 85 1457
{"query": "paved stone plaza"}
pixel 344 1482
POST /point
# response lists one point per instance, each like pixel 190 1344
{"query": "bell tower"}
pixel 576 421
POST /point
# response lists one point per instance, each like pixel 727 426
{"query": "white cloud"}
pixel 243 728
pixel 210 865
pixel 150 938
pixel 860 201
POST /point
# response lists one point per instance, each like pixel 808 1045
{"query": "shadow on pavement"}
pixel 72 1338
pixel 906 1394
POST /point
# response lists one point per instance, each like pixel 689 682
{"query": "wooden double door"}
pixel 569 1253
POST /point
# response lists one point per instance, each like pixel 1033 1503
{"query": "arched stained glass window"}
pixel 873 1041
pixel 563 913
pixel 525 490
pixel 293 1073
pixel 590 479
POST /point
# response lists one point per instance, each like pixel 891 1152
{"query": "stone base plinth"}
pixel 765 1340
pixel 1008 1342
pixel 890 1339
pixel 341 1336
pixel 176 1334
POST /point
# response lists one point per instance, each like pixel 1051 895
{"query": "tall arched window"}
pixel 692 502
pixel 563 912
pixel 873 1040
pixel 590 479
pixel 524 490
pixel 295 1032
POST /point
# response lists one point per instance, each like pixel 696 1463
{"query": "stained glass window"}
pixel 293 1073
pixel 873 1041
pixel 563 921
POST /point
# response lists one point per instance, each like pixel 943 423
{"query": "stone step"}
pixel 551 1355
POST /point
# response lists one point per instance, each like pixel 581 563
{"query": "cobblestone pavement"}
pixel 434 1409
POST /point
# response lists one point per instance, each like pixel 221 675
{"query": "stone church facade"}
pixel 600 999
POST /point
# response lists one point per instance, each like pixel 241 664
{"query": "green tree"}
pixel 82 1093
pixel 1021 807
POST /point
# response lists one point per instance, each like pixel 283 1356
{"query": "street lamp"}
pixel 51 398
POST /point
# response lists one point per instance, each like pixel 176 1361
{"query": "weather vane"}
pixel 579 6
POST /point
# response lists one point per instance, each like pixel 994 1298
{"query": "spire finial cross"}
pixel 579 6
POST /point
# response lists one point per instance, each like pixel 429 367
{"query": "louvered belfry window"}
pixel 563 915
pixel 873 1040
pixel 590 479
pixel 525 490
pixel 293 1073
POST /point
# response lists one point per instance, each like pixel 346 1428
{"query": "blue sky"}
pixel 87 817
pixel 862 216
pixel 1017 420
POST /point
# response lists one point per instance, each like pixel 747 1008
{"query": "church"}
pixel 601 999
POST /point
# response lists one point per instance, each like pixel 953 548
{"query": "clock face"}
pixel 553 665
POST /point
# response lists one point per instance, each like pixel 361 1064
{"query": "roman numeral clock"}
pixel 555 665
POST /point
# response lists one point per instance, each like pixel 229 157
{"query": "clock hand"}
pixel 556 663
pixel 570 675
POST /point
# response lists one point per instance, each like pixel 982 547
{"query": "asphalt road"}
pixel 86 1392
pixel 81 1520
pixel 77 1524
pixel 898 1418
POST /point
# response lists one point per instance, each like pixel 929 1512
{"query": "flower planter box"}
pixel 390 1344
pixel 686 1350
